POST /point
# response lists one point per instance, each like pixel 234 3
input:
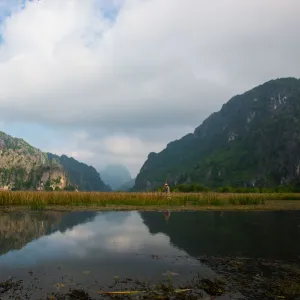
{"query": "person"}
pixel 167 214
pixel 167 189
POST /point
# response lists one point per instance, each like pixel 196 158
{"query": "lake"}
pixel 53 251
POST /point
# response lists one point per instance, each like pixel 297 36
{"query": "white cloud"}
pixel 156 65
pixel 98 150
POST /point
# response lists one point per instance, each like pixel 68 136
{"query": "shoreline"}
pixel 270 205
pixel 241 278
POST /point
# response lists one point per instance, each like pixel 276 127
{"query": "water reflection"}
pixel 17 228
pixel 106 244
pixel 90 247
pixel 271 235
pixel 143 245
pixel 167 215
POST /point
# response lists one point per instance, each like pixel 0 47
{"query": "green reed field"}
pixel 36 199
pixel 132 199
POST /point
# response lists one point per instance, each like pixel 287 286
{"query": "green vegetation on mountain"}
pixel 81 175
pixel 23 167
pixel 253 141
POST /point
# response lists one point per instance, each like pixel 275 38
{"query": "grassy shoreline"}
pixel 279 206
pixel 98 201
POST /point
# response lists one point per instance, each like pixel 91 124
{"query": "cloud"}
pixel 101 149
pixel 123 71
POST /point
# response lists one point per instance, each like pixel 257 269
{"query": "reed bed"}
pixel 103 199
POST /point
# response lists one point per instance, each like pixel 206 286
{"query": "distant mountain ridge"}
pixel 24 167
pixel 127 186
pixel 116 175
pixel 254 140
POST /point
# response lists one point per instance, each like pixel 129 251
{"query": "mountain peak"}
pixel 252 140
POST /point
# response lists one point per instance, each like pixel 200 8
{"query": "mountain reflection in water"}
pixel 18 228
pixel 250 234
pixel 270 235
pixel 89 247
pixel 107 244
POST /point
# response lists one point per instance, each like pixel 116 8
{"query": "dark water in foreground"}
pixel 94 249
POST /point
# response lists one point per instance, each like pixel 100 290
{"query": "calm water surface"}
pixel 91 247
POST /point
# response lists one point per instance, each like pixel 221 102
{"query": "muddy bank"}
pixel 258 278
pixel 238 278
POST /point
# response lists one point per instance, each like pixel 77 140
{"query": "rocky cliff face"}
pixel 254 140
pixel 23 167
pixel 81 175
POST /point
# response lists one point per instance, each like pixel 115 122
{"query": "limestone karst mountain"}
pixel 254 140
pixel 23 167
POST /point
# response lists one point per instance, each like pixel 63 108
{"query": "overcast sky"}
pixel 108 81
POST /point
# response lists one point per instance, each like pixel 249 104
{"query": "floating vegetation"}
pixel 10 285
pixel 86 272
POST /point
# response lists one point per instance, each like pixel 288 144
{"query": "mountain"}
pixel 254 140
pixel 115 175
pixel 23 167
pixel 127 186
pixel 81 175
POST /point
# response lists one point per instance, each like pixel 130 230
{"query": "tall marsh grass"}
pixel 41 199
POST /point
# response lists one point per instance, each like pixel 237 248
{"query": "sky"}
pixel 109 81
